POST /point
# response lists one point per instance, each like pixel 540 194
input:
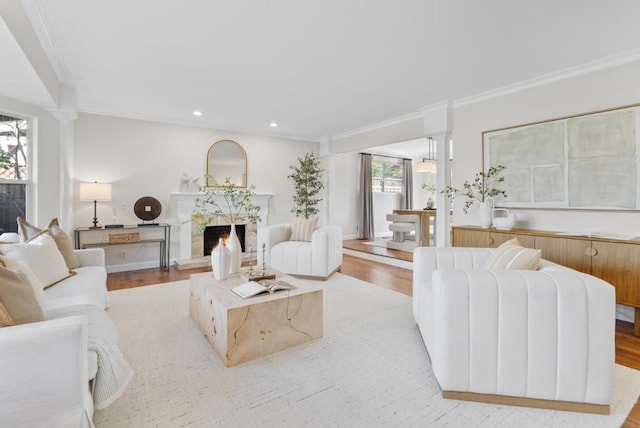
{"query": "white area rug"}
pixel 370 369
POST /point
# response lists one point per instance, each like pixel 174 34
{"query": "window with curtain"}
pixel 386 174
pixel 14 171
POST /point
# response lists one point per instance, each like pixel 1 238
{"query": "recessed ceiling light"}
pixel 197 113
pixel 273 125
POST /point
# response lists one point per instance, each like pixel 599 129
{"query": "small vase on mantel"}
pixel 233 243
pixel 220 260
pixel 486 213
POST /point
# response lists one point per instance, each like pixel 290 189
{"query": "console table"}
pixel 86 237
pixel 614 260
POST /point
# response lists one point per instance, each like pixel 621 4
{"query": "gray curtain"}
pixel 365 199
pixel 406 202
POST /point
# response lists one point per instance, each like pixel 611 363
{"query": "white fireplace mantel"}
pixel 182 204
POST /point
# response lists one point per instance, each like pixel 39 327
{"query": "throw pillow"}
pixel 9 238
pixel 41 254
pixel 61 238
pixel 35 283
pixel 513 256
pixel 26 230
pixel 17 297
pixel 302 228
pixel 5 318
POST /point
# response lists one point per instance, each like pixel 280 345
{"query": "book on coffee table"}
pixel 253 288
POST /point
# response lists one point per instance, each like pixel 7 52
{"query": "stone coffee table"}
pixel 243 329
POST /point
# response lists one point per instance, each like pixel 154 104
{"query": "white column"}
pixel 437 125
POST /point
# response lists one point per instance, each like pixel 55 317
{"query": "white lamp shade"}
pixel 95 191
pixel 426 166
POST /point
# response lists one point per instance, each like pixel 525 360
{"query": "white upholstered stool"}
pixel 402 225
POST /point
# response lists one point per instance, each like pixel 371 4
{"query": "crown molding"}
pixel 378 125
pixel 41 28
pixel 568 73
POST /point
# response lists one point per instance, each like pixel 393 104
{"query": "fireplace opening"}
pixel 213 233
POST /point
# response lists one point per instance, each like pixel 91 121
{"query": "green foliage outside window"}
pixel 386 176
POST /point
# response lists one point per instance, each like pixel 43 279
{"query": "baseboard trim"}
pixel 380 259
pixel 569 406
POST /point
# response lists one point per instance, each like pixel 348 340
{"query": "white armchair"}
pixel 541 338
pixel 317 259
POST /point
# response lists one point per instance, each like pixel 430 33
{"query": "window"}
pixel 386 174
pixel 14 177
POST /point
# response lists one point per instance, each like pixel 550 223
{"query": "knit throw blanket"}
pixel 114 373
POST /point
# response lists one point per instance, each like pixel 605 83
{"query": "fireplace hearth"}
pixel 213 233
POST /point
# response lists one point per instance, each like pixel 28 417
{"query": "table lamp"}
pixel 95 192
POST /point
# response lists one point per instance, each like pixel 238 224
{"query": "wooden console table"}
pixel 425 221
pixel 152 233
pixel 616 261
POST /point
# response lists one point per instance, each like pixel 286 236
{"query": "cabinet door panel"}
pixel 619 264
pixel 471 238
pixel 500 237
pixel 573 253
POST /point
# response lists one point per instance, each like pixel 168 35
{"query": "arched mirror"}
pixel 226 159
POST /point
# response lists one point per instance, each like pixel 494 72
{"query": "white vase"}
pixel 220 260
pixel 184 183
pixel 233 244
pixel 486 213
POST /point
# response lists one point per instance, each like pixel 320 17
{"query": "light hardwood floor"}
pixel 383 275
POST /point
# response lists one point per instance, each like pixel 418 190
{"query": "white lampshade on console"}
pixel 95 192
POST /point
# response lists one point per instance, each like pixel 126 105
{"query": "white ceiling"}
pixel 318 68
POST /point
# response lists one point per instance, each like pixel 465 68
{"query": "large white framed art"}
pixel 587 161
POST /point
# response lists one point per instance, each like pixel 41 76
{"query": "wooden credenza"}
pixel 616 261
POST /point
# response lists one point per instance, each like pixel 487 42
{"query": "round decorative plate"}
pixel 147 208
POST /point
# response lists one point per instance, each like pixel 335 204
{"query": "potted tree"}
pixel 307 181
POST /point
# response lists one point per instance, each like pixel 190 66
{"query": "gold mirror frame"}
pixel 226 159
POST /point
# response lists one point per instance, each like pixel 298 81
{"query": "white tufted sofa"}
pixel 317 259
pixel 540 338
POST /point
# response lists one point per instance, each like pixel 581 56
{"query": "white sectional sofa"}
pixel 539 338
pixel 54 372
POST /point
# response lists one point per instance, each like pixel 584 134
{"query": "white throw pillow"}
pixel 513 256
pixel 60 237
pixel 43 257
pixel 302 228
pixel 9 238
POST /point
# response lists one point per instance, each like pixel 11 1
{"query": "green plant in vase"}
pixel 233 204
pixel 483 186
pixel 236 206
pixel 431 191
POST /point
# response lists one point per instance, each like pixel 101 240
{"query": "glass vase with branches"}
pixel 232 203
pixel 483 186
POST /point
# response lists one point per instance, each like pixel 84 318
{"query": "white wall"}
pixel 342 192
pixel 383 204
pixel 604 89
pixel 142 158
